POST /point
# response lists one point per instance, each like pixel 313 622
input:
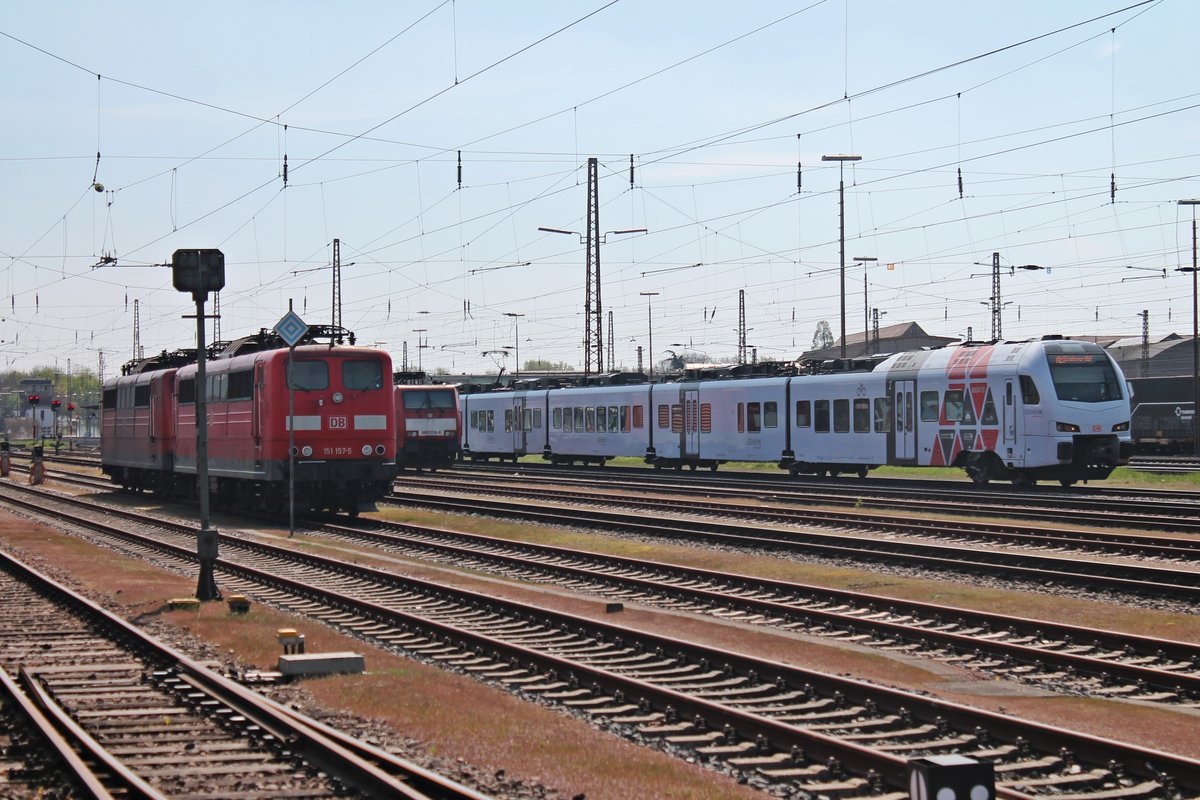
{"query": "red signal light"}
pixel 55 404
pixel 34 399
pixel 70 406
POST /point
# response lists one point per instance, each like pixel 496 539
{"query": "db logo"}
pixel 337 423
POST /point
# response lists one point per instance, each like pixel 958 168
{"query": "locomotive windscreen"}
pixel 1084 377
pixel 419 399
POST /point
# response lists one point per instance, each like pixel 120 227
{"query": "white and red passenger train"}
pixel 344 455
pixel 1053 409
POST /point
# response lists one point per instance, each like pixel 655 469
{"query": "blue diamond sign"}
pixel 291 328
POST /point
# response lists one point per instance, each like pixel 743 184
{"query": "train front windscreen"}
pixel 1084 377
pixel 426 399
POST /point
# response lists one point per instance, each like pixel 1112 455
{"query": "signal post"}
pixel 201 272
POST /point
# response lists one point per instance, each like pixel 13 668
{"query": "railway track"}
pixel 1157 510
pixel 1055 559
pixel 128 716
pixel 1178 549
pixel 1065 658
pixel 772 723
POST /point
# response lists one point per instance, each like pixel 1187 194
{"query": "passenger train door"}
pixel 691 423
pixel 519 428
pixel 906 429
pixel 1008 419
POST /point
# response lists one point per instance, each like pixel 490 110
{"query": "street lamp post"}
pixel 516 318
pixel 1195 270
pixel 650 327
pixel 842 159
pixel 865 260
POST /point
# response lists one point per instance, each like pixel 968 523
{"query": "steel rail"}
pixel 1131 578
pixel 1145 763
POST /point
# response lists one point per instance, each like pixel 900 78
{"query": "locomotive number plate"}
pixel 338 451
pixel 337 424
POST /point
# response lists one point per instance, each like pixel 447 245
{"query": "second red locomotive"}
pixel 344 455
pixel 428 425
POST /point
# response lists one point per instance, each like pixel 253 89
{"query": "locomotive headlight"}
pixel 337 397
pixel 1066 427
pixel 306 451
pixel 1121 426
pixel 380 449
pixel 366 449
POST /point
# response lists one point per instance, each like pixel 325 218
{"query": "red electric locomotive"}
pixel 427 426
pixel 344 455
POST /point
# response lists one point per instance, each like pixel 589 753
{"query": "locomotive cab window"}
pixel 1083 378
pixel 1029 391
pixel 141 396
pixel 424 400
pixel 362 374
pixel 308 376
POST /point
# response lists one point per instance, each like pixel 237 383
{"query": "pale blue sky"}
pixel 716 102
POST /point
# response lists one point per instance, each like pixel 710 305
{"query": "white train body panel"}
pixel 503 424
pixel 1054 409
pixel 606 421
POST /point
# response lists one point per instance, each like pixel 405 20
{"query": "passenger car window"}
pixel 841 416
pixel 929 407
pixel 821 416
pixel 862 415
pixel 753 417
pixel 883 415
pixel 803 414
pixel 954 405
pixel 771 415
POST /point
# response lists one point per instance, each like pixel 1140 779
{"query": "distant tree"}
pixel 823 337
pixel 441 371
pixel 542 365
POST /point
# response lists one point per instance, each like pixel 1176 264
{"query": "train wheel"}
pixel 1024 480
pixel 861 472
pixel 712 467
pixel 1066 482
